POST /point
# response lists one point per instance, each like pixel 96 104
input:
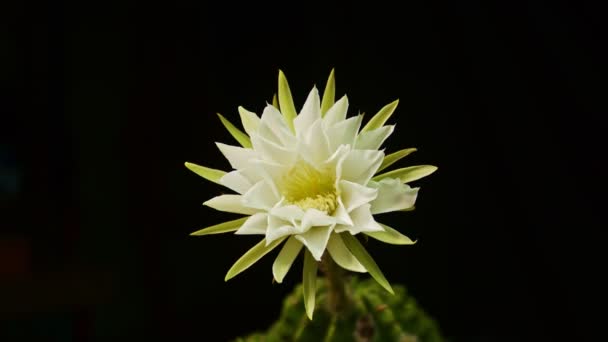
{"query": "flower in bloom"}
pixel 311 181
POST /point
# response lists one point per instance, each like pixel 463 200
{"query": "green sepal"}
pixel 224 227
pixel 209 174
pixel 381 117
pixel 329 94
pixel 309 283
pixel 285 259
pixel 408 174
pixel 241 137
pixel 275 101
pixel 288 109
pixel 251 257
pixel 391 236
pixel 366 260
pixel 395 157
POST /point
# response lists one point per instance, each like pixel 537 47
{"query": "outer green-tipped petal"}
pixel 342 256
pixel 230 204
pixel 390 235
pixel 286 101
pixel 380 118
pixel 395 157
pixel 309 280
pixel 285 259
pixel 249 120
pixel 366 260
pixel 393 195
pixel 225 227
pixel 329 94
pixel 241 137
pixel 275 101
pixel 408 174
pixel 251 257
pixel 209 174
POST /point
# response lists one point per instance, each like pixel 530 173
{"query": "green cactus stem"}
pixel 349 309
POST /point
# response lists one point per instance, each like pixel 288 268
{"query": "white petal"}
pixel 271 151
pixel 337 112
pixel 236 181
pixel 372 140
pixel 354 195
pixel 238 157
pixel 260 196
pixel 273 127
pixel 288 212
pixel 250 120
pixel 363 221
pixel 271 172
pixel 278 228
pixel 255 224
pixel 316 240
pixel 392 195
pixel 315 147
pixel 230 204
pixel 344 132
pixel 315 218
pixel 311 112
pixel 341 215
pixel 360 165
pixel 342 256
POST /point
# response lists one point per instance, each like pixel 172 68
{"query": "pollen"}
pixel 308 187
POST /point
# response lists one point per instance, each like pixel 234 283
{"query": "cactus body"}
pixel 373 315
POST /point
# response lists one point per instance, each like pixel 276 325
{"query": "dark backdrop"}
pixel 102 104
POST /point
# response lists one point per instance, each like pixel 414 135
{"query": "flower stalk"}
pixel 337 294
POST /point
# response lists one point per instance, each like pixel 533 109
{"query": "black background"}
pixel 106 102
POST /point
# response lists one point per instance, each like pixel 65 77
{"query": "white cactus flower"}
pixel 310 180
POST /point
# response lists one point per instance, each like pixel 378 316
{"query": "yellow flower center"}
pixel 307 187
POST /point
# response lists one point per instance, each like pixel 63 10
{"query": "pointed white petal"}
pixel 238 157
pixel 288 212
pixel 236 181
pixel 273 127
pixel 278 228
pixel 344 132
pixel 250 120
pixel 337 112
pixel 260 196
pixel 372 140
pixel 285 259
pixel 360 165
pixel 342 256
pixel 269 151
pixel 341 215
pixel 315 218
pixel 363 221
pixel 255 224
pixel 230 204
pixel 354 195
pixel 314 148
pixel 392 196
pixel 315 239
pixel 311 112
